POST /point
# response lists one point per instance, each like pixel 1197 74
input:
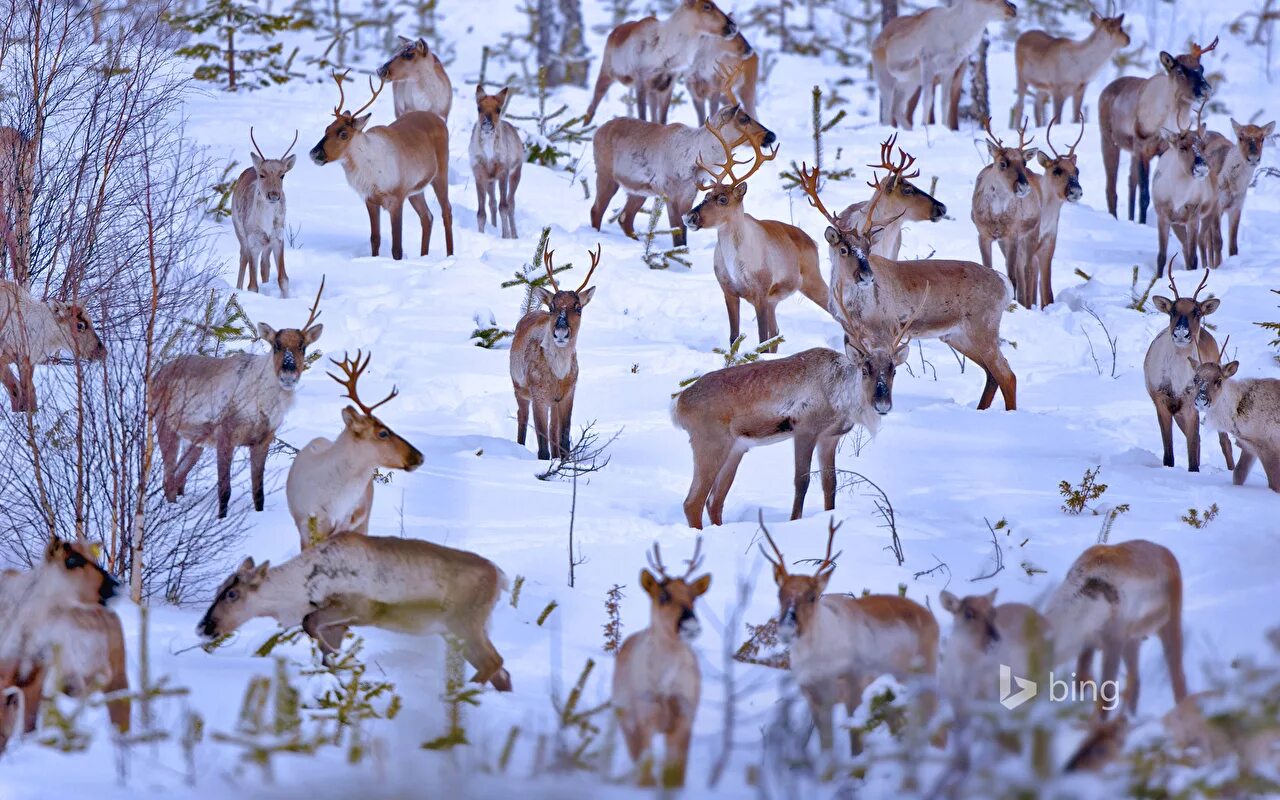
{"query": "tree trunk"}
pixel 979 106
pixel 888 11
pixel 231 59
pixel 562 52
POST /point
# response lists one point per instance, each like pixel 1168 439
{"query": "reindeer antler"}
pixel 727 76
pixel 1203 283
pixel 809 184
pixel 1048 138
pixel 381 83
pixel 781 562
pixel 1197 50
pixel 255 144
pixel 547 253
pixel 1023 141
pixel 695 561
pixel 828 562
pixel 353 369
pixel 986 123
pixel 655 563
pixel 905 327
pixel 342 95
pixel 896 171
pixel 291 144
pixel 725 170
pixel 1222 353
pixel 595 261
pixel 315 307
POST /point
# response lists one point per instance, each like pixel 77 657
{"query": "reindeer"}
pixel 1233 167
pixel 418 80
pixel 762 261
pixel 648 53
pixel 57 624
pixel 647 159
pixel 657 682
pixel 1183 195
pixel 544 361
pixel 1058 67
pixel 388 164
pixel 1114 596
pixel 350 580
pixel 1133 111
pixel 17 178
pixel 1248 409
pixel 814 397
pixel 841 643
pixel 914 51
pixel 1007 210
pixel 1060 183
pixel 258 214
pixel 32 332
pixel 497 154
pixel 704 81
pixel 1169 376
pixel 227 402
pixel 899 199
pixel 959 302
pixel 330 485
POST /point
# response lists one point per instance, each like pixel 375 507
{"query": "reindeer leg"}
pixel 375 226
pixel 225 449
pixel 522 416
pixel 167 439
pixel 1077 104
pixel 1144 188
pixel 1189 421
pixel 827 447
pixel 1111 166
pixel 984 247
pixel 1165 420
pixel 606 188
pixel 504 208
pixel 1132 684
pixel 1162 248
pixel 627 219
pixel 419 204
pixel 327 626
pixel 1171 641
pixel 566 419
pixel 118 682
pixel 677 753
pixel 27 382
pixel 282 277
pixel 246 262
pixel 1134 160
pixel 724 480
pixel 708 459
pixel 1224 442
pixel 11 385
pixel 1233 219
pixel 1243 465
pixel 185 465
pixel 440 185
pixel 1271 466
pixel 513 182
pixel 1111 653
pixel 257 465
pixel 804 442
pixel 32 690
pixel 541 421
pixel 481 188
pixel 396 210
pixel 676 209
pixel 732 305
pixel 480 653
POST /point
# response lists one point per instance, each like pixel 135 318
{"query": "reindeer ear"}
pixel 289 161
pixel 832 236
pixel 1269 128
pixel 54 550
pixel 479 92
pixel 1095 18
pixel 1167 61
pixel 260 572
pixel 350 416
pixel 502 95
pixel 1192 361
pixel 362 121
pixel 1120 20
pixel 542 295
pixel 246 566
pixel 779 574
pixel 1235 126
pixel 949 601
pixel 740 191
pixel 1163 304
pixel 421 46
pixel 991 595
pixel 701 585
pixel 1043 160
pixel 311 334
pixel 648 582
pixel 1209 306
pixel 900 355
pixel 585 296
pixel 266 333
pixel 1230 369
pixel 1029 154
pixel 1168 135
pixel 993 148
pixel 256 159
pixel 823 579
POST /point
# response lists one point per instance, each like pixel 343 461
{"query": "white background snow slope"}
pixel 945 466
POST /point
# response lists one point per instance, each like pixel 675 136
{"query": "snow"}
pixel 945 466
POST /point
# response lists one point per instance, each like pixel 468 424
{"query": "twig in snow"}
pixel 995 542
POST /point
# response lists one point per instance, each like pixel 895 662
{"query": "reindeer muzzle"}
pixel 691 221
pixel 1074 192
pixel 206 627
pixel 1202 401
pixel 688 626
pixel 1203 89
pixel 384 71
pixel 788 628
pixel 1200 169
pixel 108 588
pixel 883 398
pixel 317 154
pixel 939 211
pixel 414 460
pixel 730 29
pixel 1181 334
pixel 1021 188
pixel 769 138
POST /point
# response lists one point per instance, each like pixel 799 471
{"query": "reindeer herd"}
pixel 1113 597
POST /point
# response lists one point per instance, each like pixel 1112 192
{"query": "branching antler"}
pixel 1222 353
pixel 725 168
pixel 728 76
pixel 337 110
pixel 986 123
pixel 1023 141
pixel 1197 50
pixel 809 184
pixel 315 308
pixel 782 561
pixel 353 369
pixel 656 565
pixel 255 144
pixel 897 172
pixel 904 329
pixel 595 261
pixel 547 253
pixel 1048 139
pixel 828 562
pixel 342 95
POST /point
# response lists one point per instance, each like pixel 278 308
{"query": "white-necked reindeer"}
pixel 350 580
pixel 418 80
pixel 258 214
pixel 1248 409
pixel 233 401
pixel 330 485
pixel 497 155
pixel 32 332
pixel 657 682
pixel 544 361
pixel 841 643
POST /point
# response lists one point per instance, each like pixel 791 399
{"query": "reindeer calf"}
pixel 258 214
pixel 1233 166
pixel 497 155
pixel 1248 409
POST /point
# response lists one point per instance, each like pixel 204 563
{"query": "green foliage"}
pixel 791 177
pixel 546 612
pixel 224 59
pixel 1078 498
pixel 554 132
pixel 218 204
pixel 1273 327
pixel 1138 299
pixel 578 730
pixel 732 358
pixel 516 586
pixel 658 258
pixel 350 700
pixel 763 648
pixel 613 615
pixel 270 722
pixel 1200 519
pixel 457 695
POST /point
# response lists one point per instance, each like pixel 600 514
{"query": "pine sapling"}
pixel 1200 519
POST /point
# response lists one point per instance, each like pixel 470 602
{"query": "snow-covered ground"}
pixel 946 466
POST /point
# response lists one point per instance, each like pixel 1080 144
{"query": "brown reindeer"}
pixel 704 78
pixel 330 485
pixel 1132 112
pixel 814 397
pixel 544 361
pixel 1058 67
pixel 649 53
pixel 1183 195
pixel 349 580
pixel 1114 596
pixel 649 159
pixel 656 681
pixel 1169 375
pixel 959 302
pixel 227 402
pixel 258 214
pixel 17 178
pixel 497 155
pixel 1248 409
pixel 418 80
pixel 1059 184
pixel 56 625
pixel 913 52
pixel 33 332
pixel 388 164
pixel 898 199
pixel 761 261
pixel 1006 210
pixel 841 643
pixel 1233 166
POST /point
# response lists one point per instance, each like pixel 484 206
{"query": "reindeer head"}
pixel 566 306
pixel 1112 27
pixel 672 599
pixel 705 17
pixel 346 125
pixel 72 568
pixel 997 9
pixel 738 46
pixel 1185 313
pixel 798 595
pixel 1209 377
pixel 80 335
pixel 725 190
pixel 975 617
pixel 234 605
pixel 1061 171
pixel 1250 138
pixel 402 64
pixel 1011 162
pixel 1188 73
pixel 897 192
pixel 289 345
pixel 846 244
pixel 878 356
pixel 1187 147
pixel 270 171
pixel 489 107
pixel 393 451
